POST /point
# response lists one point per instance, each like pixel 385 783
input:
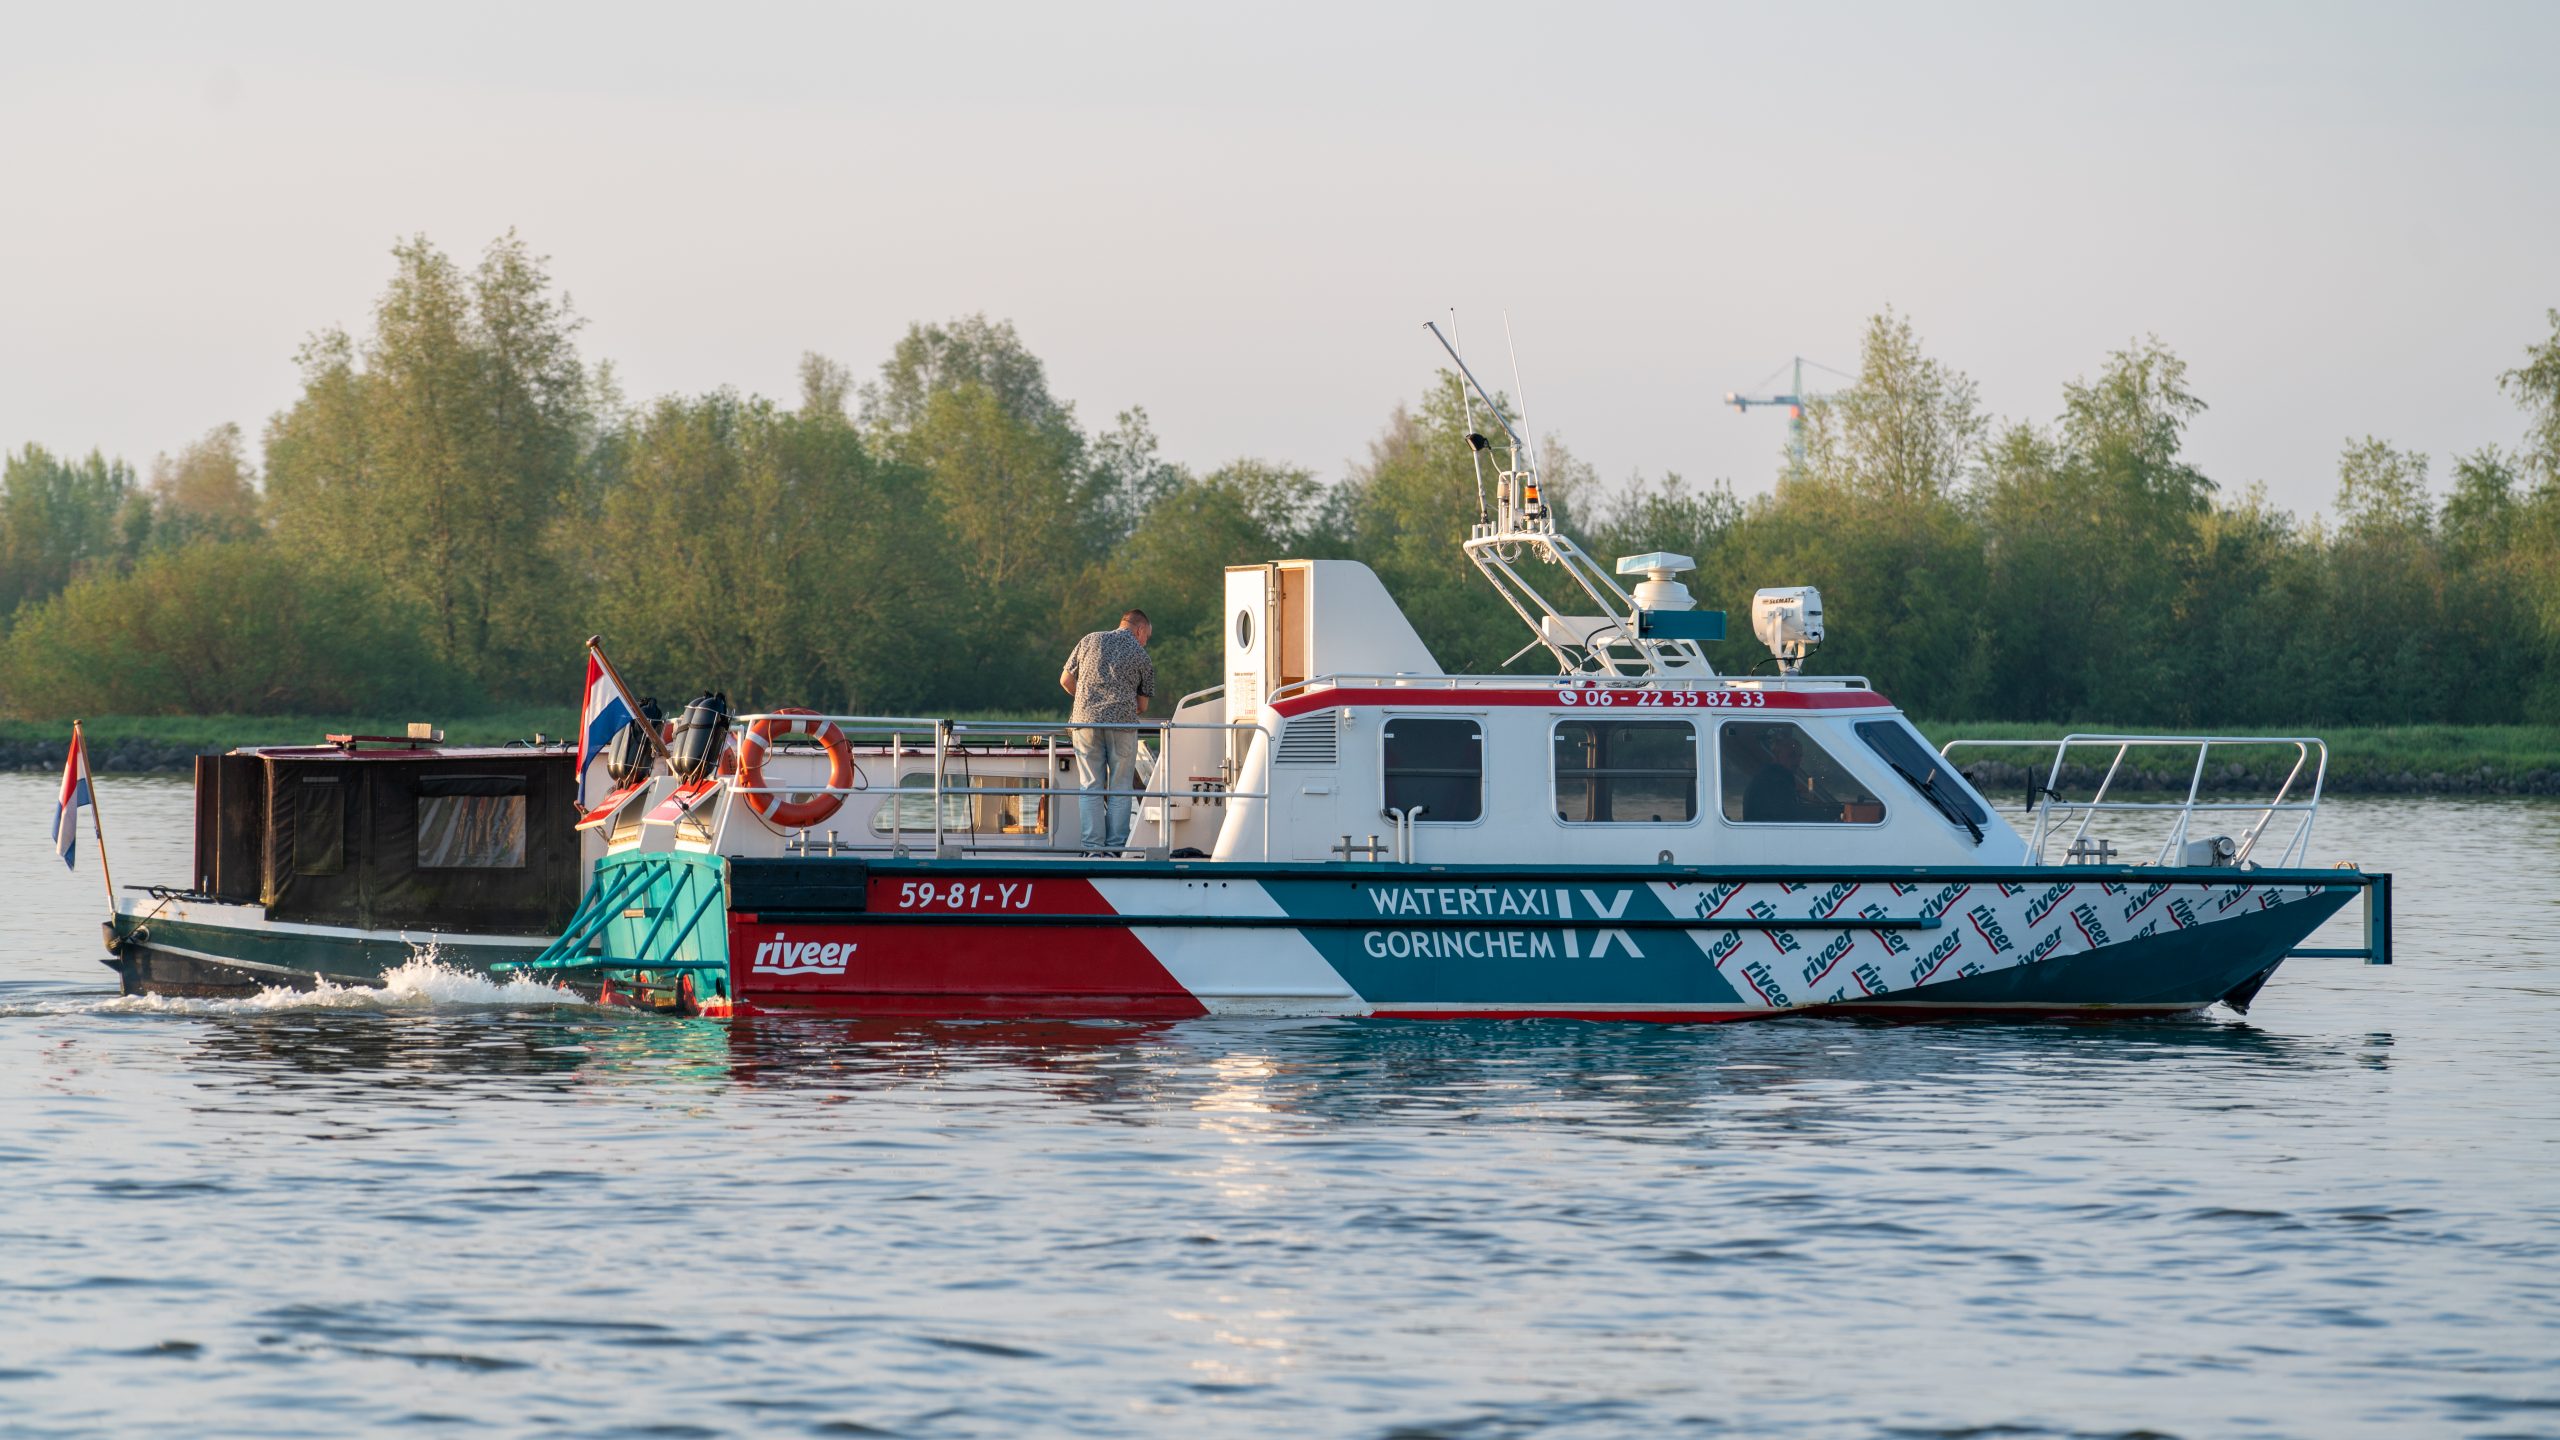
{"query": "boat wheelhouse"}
pixel 339 861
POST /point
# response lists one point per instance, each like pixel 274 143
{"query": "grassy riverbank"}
pixel 2411 759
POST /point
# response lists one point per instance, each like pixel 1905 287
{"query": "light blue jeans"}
pixel 1106 760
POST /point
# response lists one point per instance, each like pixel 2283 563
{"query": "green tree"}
pixel 1026 505
pixel 768 554
pixel 442 452
pixel 1910 429
pixel 2536 387
pixel 2531 556
pixel 970 351
pixel 1877 517
pixel 2481 515
pixel 1409 508
pixel 2381 634
pixel 222 628
pixel 2382 492
pixel 1670 514
pixel 2093 538
pixel 1242 513
pixel 60 519
pixel 208 490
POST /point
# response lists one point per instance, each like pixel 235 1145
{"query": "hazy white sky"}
pixel 2346 218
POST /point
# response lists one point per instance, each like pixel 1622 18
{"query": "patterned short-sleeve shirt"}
pixel 1110 670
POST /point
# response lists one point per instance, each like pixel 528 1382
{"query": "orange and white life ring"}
pixel 793 812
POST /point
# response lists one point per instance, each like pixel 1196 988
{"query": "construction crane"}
pixel 1795 400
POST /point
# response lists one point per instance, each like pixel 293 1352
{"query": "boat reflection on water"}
pixel 1670 1079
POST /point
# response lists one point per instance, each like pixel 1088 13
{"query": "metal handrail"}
pixel 946 732
pixel 2052 808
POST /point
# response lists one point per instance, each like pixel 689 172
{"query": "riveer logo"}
pixel 1988 924
pixel 2043 904
pixel 1892 941
pixel 1927 965
pixel 1757 973
pixel 1829 901
pixel 783 956
pixel 1938 904
pixel 2092 928
pixel 1713 898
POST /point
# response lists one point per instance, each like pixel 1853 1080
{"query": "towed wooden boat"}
pixel 340 862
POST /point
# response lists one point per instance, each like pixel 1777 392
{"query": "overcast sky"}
pixel 2346 218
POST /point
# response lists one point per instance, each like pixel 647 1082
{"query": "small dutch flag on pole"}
pixel 605 709
pixel 75 793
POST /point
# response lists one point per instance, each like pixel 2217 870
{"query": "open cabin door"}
pixel 1268 635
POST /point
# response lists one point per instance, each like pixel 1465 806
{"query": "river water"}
pixel 454 1209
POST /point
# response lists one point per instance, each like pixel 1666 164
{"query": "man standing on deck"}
pixel 1112 679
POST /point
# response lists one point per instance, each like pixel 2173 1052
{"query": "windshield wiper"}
pixel 1928 788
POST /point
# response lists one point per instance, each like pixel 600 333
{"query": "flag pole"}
pixel 97 818
pixel 657 742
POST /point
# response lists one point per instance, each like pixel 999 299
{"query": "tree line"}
pixel 459 495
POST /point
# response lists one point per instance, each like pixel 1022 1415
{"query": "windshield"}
pixel 1926 771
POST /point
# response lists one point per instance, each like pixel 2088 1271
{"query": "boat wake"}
pixel 422 983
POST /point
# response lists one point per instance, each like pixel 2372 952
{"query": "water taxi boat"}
pixel 1342 828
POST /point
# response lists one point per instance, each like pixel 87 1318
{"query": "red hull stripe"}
pixel 945 1006
pixel 1423 695
pixel 956 971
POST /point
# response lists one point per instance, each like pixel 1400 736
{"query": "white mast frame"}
pixel 1618 648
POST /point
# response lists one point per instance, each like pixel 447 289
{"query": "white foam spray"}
pixel 422 982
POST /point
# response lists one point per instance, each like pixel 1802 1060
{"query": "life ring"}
pixel 793 812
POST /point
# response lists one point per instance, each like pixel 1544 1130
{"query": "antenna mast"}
pixel 1608 632
pixel 1533 505
pixel 1475 451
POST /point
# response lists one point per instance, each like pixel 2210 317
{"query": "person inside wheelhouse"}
pixel 1774 775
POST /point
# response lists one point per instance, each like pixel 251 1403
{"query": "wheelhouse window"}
pixel 1776 774
pixel 1925 771
pixel 1437 764
pixel 471 822
pixel 319 826
pixel 1618 772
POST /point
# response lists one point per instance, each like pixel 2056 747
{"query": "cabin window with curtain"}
pixel 1437 764
pixel 1626 772
pixel 319 826
pixel 1776 774
pixel 471 822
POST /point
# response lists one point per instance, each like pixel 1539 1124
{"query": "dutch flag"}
pixel 75 793
pixel 603 713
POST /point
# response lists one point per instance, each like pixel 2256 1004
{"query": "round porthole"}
pixel 1244 629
